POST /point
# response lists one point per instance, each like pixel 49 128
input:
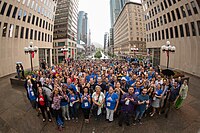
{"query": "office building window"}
pixel 162 7
pixel 45 37
pixel 28 3
pixel 171 33
pixel 40 22
pixel 155 10
pixel 9 11
pixel 167 33
pixel 178 13
pixel 29 18
pixel 19 14
pixel 183 11
pixel 43 23
pixel 39 36
pixel 176 31
pixel 163 35
pixel 165 3
pixel 151 25
pixel 23 2
pixel 31 34
pixel 16 31
pixel 154 22
pixel 157 22
pixel 32 5
pixel 5 27
pixel 11 29
pixel 155 36
pixel 22 32
pixel 188 9
pixel 35 35
pixel 158 8
pixel 3 8
pixel 194 7
pixel 169 18
pixel 174 1
pixel 161 21
pixel 14 12
pixel 46 25
pixel 37 19
pixel 181 30
pixel 170 3
pixel 159 37
pixel 165 19
pixel 152 36
pixel 24 16
pixel 187 29
pixel 173 15
pixel 193 29
pixel 152 12
pixel 42 36
pixel 33 20
pixel 27 32
pixel 198 26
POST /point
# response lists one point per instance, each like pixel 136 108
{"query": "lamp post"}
pixel 134 49
pixel 168 48
pixel 64 50
pixel 31 50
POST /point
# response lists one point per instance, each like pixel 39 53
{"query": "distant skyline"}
pixel 98 16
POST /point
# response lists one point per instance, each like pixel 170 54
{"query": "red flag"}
pixel 32 54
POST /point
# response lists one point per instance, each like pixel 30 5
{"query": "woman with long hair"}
pixel 86 103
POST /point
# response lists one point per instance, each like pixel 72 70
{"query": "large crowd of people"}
pixel 111 88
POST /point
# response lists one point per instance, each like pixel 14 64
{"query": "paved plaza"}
pixel 17 116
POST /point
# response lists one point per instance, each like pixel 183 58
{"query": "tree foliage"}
pixel 98 55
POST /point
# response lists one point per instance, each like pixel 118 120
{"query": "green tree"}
pixel 98 55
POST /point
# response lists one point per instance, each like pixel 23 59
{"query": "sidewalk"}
pixel 17 116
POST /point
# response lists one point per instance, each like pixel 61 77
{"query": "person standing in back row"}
pixel 182 95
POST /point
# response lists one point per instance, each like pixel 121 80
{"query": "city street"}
pixel 17 116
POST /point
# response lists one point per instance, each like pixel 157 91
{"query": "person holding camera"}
pixel 128 101
pixel 143 101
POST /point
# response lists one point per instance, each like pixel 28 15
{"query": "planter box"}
pixel 16 82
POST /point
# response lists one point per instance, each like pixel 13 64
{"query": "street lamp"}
pixel 168 48
pixel 134 49
pixel 31 50
pixel 64 50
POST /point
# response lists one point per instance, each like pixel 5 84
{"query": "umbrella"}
pixel 168 72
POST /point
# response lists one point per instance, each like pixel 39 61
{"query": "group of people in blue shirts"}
pixel 109 88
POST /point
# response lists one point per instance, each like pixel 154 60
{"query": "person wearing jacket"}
pixel 128 101
pixel 31 93
pixel 182 95
pixel 43 104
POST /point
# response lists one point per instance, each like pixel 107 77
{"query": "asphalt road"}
pixel 17 116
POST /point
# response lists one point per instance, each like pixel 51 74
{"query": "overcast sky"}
pixel 99 17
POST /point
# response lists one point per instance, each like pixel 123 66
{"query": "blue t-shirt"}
pixel 31 94
pixel 87 78
pixel 73 98
pixel 85 104
pixel 111 100
pixel 132 82
pixel 137 91
pixel 71 86
pixel 159 92
pixel 142 98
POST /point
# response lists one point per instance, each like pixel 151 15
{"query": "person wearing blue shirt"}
pixel 143 101
pixel 65 104
pixel 70 85
pixel 86 103
pixel 137 89
pixel 111 103
pixel 133 79
pixel 156 100
pixel 73 103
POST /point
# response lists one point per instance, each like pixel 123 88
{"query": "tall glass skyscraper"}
pixel 83 31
